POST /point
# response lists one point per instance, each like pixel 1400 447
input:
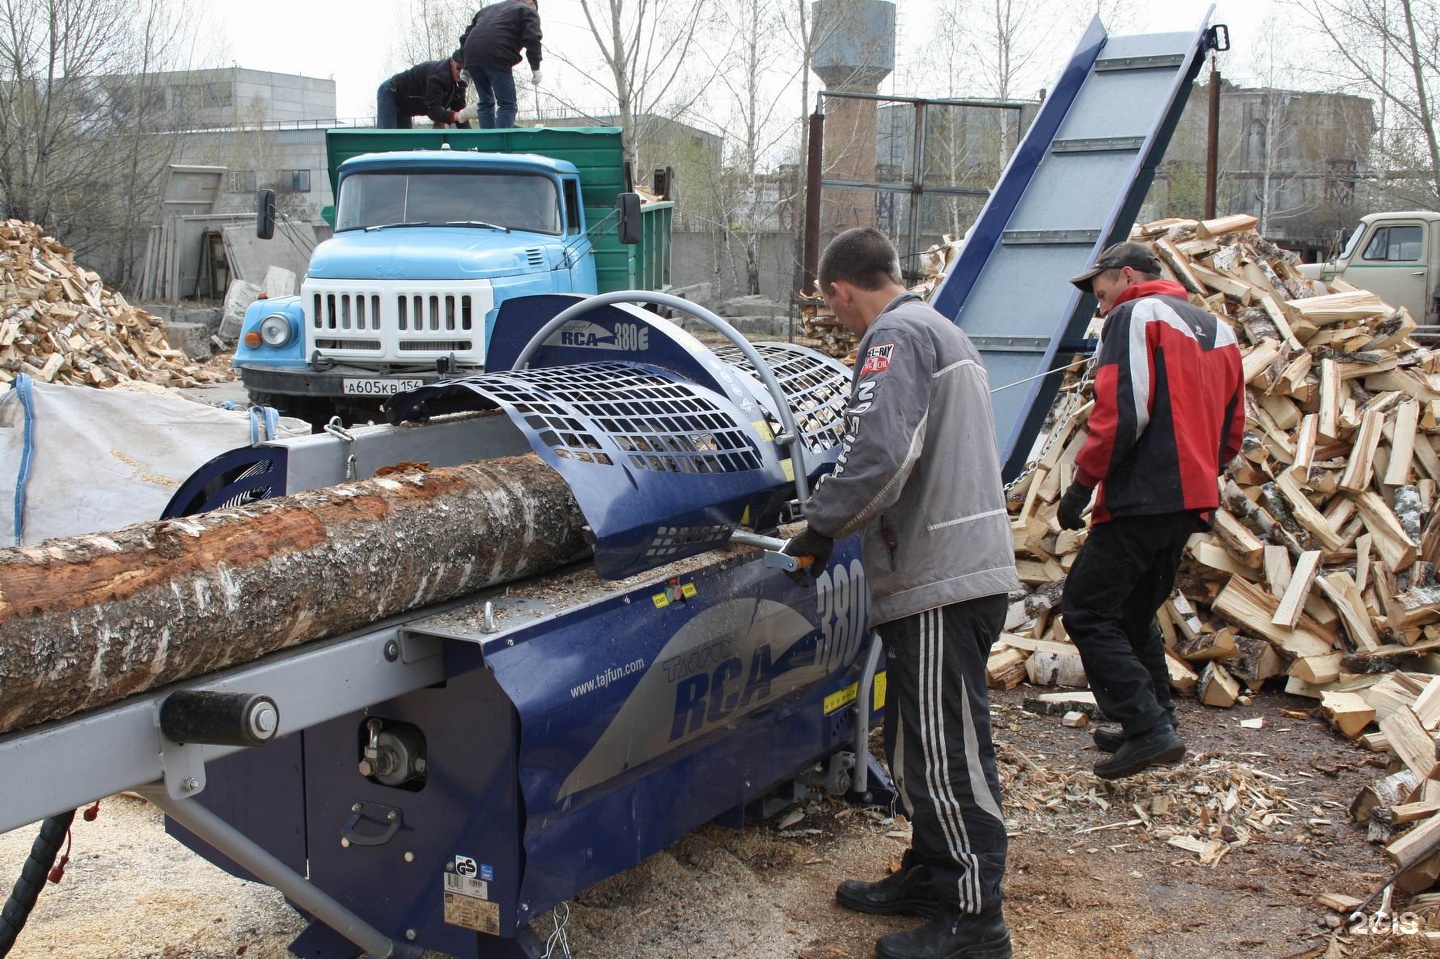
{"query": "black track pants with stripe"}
pixel 937 739
pixel 1120 579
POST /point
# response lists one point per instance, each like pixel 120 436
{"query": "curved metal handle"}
pixel 792 430
pixel 350 835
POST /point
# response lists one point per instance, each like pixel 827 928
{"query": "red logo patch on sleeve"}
pixel 877 359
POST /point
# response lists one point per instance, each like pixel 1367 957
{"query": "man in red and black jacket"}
pixel 1169 414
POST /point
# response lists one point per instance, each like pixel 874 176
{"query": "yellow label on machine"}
pixel 788 465
pixel 673 594
pixel 841 698
pixel 844 697
pixel 763 428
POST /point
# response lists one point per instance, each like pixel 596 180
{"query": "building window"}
pixel 299 180
pixel 241 181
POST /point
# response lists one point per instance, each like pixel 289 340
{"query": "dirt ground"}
pixel 1222 855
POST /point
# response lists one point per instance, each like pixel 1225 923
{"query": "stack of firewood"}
pixel 1319 572
pixel 817 323
pixel 1321 560
pixel 59 323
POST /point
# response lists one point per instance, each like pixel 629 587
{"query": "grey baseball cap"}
pixel 1135 255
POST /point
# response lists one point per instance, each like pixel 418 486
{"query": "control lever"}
pixel 772 546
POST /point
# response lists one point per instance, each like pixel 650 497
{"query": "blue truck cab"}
pixel 428 244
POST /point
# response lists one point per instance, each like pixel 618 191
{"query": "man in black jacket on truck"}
pixel 919 479
pixel 492 45
pixel 432 89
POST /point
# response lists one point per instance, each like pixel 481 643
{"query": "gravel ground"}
pixel 1094 869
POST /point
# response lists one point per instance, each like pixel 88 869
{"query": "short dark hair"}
pixel 863 256
pixel 459 56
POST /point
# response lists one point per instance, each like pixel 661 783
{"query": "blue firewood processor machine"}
pixel 438 780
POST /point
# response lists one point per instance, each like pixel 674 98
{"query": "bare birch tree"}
pixel 80 105
pixel 757 68
pixel 429 30
pixel 645 48
pixel 1389 50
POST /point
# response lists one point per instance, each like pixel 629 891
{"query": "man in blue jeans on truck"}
pixel 492 45
pixel 919 478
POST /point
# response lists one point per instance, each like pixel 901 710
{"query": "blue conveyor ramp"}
pixel 1074 186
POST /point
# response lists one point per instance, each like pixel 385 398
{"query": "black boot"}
pixel 1109 740
pixel 908 891
pixel 1160 746
pixel 950 935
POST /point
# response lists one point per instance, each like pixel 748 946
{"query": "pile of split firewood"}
pixel 1319 572
pixel 59 323
pixel 819 325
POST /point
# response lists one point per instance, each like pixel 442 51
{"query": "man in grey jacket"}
pixel 919 478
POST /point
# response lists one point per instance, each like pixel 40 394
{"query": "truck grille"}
pixel 378 320
pixel 434 312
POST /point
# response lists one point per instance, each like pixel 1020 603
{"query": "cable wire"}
pixel 53 832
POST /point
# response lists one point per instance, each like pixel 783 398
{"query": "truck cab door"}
pixel 1392 262
pixel 581 259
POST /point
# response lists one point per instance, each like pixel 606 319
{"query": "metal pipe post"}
pixel 917 180
pixel 271 871
pixel 863 698
pixel 813 162
pixel 1212 141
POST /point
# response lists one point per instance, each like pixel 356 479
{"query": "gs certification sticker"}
pixel 467 897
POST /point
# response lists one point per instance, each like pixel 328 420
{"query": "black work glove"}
pixel 1072 504
pixel 814 545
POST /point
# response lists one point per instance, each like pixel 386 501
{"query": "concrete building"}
pixel 235 96
pixel 1298 160
pixel 266 129
pixel 291 162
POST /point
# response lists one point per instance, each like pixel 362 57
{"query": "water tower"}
pixel 855 50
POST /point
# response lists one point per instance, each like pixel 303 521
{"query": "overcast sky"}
pixel 353 41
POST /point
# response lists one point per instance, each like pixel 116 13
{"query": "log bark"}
pixel 86 621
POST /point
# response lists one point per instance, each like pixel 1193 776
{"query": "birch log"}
pixel 87 620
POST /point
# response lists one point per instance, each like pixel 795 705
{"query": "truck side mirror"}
pixel 265 214
pixel 627 207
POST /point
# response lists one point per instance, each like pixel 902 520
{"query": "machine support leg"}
pixel 239 847
pixel 862 715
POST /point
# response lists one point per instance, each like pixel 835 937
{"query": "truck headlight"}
pixel 276 330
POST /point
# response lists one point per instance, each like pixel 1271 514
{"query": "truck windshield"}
pixel 514 201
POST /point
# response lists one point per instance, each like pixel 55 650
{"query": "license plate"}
pixel 379 387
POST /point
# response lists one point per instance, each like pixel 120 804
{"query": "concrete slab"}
pixel 251 256
pixel 193 339
pixel 237 300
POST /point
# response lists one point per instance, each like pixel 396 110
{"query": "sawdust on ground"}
pixel 1221 856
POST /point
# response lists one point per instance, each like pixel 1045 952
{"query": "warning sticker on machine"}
pixel 470 913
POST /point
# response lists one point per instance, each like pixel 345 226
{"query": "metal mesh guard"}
pixel 658 424
pixel 816 391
